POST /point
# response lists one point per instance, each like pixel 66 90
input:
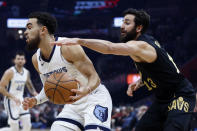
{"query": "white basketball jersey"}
pixel 57 63
pixel 17 84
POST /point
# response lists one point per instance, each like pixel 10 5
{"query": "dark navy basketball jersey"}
pixel 162 75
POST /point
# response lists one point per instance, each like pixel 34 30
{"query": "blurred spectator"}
pixel 3 116
pixel 130 121
pixel 47 117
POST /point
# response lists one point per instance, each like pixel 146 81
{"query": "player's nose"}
pixel 122 27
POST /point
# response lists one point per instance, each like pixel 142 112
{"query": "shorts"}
pixel 14 112
pixel 90 112
pixel 172 116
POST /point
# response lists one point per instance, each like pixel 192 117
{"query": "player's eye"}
pixel 127 23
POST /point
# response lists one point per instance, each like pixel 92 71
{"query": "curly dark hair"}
pixel 45 19
pixel 141 18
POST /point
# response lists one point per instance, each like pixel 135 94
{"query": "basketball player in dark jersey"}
pixel 175 97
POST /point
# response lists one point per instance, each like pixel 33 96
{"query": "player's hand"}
pixel 29 103
pixel 80 92
pixel 17 101
pixel 67 41
pixel 133 87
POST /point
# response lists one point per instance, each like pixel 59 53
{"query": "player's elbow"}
pixel 1 90
pixel 98 81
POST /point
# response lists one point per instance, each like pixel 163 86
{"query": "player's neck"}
pixel 138 35
pixel 19 69
pixel 45 46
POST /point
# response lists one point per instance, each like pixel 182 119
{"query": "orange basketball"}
pixel 58 88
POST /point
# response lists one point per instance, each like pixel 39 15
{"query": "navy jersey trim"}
pixel 71 121
pixel 8 87
pixel 21 73
pixel 8 102
pixel 52 52
pixel 89 127
pixel 56 38
pixel 10 112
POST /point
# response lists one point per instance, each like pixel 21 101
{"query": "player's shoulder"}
pixel 72 50
pixel 35 62
pixel 34 58
pixel 138 44
pixel 72 53
pixel 9 71
pixel 26 70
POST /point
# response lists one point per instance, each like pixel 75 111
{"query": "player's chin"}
pixel 20 64
pixel 28 41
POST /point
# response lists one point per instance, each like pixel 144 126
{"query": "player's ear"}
pixel 44 29
pixel 139 28
pixel 25 61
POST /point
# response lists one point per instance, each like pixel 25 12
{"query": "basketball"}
pixel 58 88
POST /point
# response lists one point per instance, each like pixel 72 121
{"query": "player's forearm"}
pixel 5 93
pixel 41 97
pixel 93 82
pixel 31 88
pixel 101 46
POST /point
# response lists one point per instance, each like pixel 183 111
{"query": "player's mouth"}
pixel 123 33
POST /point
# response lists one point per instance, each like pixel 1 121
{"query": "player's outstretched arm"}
pixel 76 55
pixel 6 78
pixel 136 49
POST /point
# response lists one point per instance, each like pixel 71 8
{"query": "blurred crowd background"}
pixel 173 24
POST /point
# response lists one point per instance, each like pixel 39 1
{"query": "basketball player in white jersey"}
pixel 12 87
pixel 92 106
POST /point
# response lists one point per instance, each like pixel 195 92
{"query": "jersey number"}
pixel 150 84
pixel 19 87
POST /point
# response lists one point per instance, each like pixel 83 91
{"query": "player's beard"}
pixel 33 44
pixel 131 35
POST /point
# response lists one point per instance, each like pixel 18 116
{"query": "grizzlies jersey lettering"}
pixel 57 63
pixel 162 75
pixel 17 84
